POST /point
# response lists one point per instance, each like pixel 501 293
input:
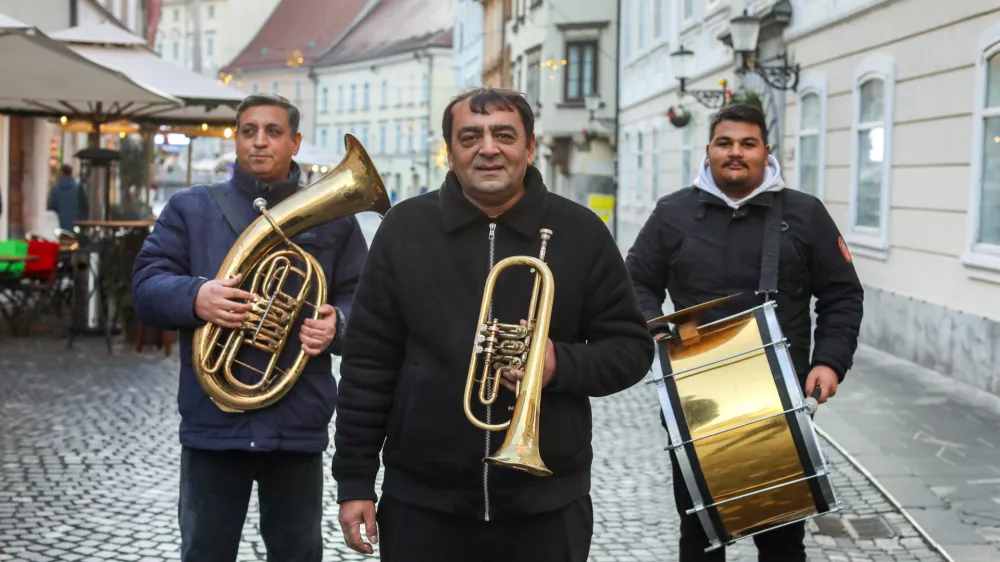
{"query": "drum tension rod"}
pixel 696 509
pixel 780 343
pixel 728 429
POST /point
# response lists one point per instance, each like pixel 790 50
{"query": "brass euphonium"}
pixel 513 346
pixel 353 186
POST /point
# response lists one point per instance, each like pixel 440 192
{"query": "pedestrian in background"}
pixel 68 199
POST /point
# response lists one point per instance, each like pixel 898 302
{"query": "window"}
pixel 354 97
pixel 640 176
pixel 659 25
pixel 425 88
pixel 626 38
pixel 532 70
pixel 385 93
pixel 871 159
pixel 687 9
pixel 274 86
pixel 399 137
pixel 323 138
pixel 340 98
pixel 811 167
pixel 298 92
pixel 581 70
pixel 687 178
pixel 643 22
pixel 423 135
pixel 383 134
pixel 983 245
pixel 655 164
pixel 365 96
pixel 324 100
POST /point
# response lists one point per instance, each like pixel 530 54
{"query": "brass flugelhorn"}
pixel 287 282
pixel 513 346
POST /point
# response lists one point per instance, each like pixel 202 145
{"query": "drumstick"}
pixel 812 402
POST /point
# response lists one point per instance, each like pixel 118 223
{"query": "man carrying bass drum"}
pixel 407 356
pixel 174 288
pixel 705 242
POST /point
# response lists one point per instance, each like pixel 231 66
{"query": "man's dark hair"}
pixel 740 113
pixel 484 99
pixel 258 100
pixel 66 169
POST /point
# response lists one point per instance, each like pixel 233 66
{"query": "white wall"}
pixel 411 104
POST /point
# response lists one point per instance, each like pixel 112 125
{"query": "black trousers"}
pixel 783 544
pixel 215 493
pixel 407 533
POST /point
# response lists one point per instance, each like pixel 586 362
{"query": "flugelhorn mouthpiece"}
pixel 260 204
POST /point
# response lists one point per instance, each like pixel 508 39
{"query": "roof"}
pixel 297 33
pixel 395 26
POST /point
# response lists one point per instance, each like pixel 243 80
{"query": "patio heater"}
pixel 96 175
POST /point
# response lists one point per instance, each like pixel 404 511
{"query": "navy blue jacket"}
pixel 186 248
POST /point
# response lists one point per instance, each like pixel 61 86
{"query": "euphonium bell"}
pixel 513 346
pixel 353 186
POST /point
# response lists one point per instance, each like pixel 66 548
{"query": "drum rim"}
pixel 803 426
pixel 707 517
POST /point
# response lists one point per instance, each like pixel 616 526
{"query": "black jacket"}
pixel 696 248
pixel 410 340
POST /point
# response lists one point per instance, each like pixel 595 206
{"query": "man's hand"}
pixel 317 334
pixel 827 380
pixel 512 376
pixel 217 302
pixel 352 514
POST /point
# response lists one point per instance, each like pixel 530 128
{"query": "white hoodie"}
pixel 772 182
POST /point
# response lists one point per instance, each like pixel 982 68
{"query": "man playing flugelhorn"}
pixel 414 329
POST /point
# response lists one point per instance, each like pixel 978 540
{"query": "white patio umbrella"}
pixel 42 76
pixel 205 99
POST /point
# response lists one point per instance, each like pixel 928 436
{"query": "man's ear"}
pixel 531 149
pixel 298 142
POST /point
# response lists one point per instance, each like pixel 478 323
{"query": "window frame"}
pixel 982 260
pixel 597 67
pixel 870 242
pixel 812 84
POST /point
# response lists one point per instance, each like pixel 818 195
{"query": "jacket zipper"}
pixel 486 466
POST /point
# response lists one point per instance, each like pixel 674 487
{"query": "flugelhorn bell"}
pixel 500 347
pixel 288 283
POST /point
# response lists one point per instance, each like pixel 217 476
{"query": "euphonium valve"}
pixel 500 347
pixel 287 283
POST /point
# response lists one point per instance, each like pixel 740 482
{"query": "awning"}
pixel 205 99
pixel 46 77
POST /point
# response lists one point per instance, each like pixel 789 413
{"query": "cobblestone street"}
pixel 89 470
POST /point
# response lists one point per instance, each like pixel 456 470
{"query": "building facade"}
pixel 496 54
pixel 894 124
pixel 217 29
pixel 563 56
pixel 279 57
pixel 387 83
pixel 468 44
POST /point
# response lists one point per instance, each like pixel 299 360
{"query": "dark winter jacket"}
pixel 186 248
pixel 407 352
pixel 68 199
pixel 696 248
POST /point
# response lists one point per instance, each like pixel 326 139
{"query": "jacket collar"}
pixel 274 193
pixel 525 217
pixel 764 199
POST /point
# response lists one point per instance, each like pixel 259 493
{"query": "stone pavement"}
pixel 89 457
pixel 932 442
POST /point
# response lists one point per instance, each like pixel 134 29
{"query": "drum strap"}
pixel 771 248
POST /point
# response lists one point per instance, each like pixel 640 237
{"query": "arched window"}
pixel 871 162
pixel 811 136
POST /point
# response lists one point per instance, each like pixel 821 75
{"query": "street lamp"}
pixel 745 31
pixel 592 102
pixel 683 63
